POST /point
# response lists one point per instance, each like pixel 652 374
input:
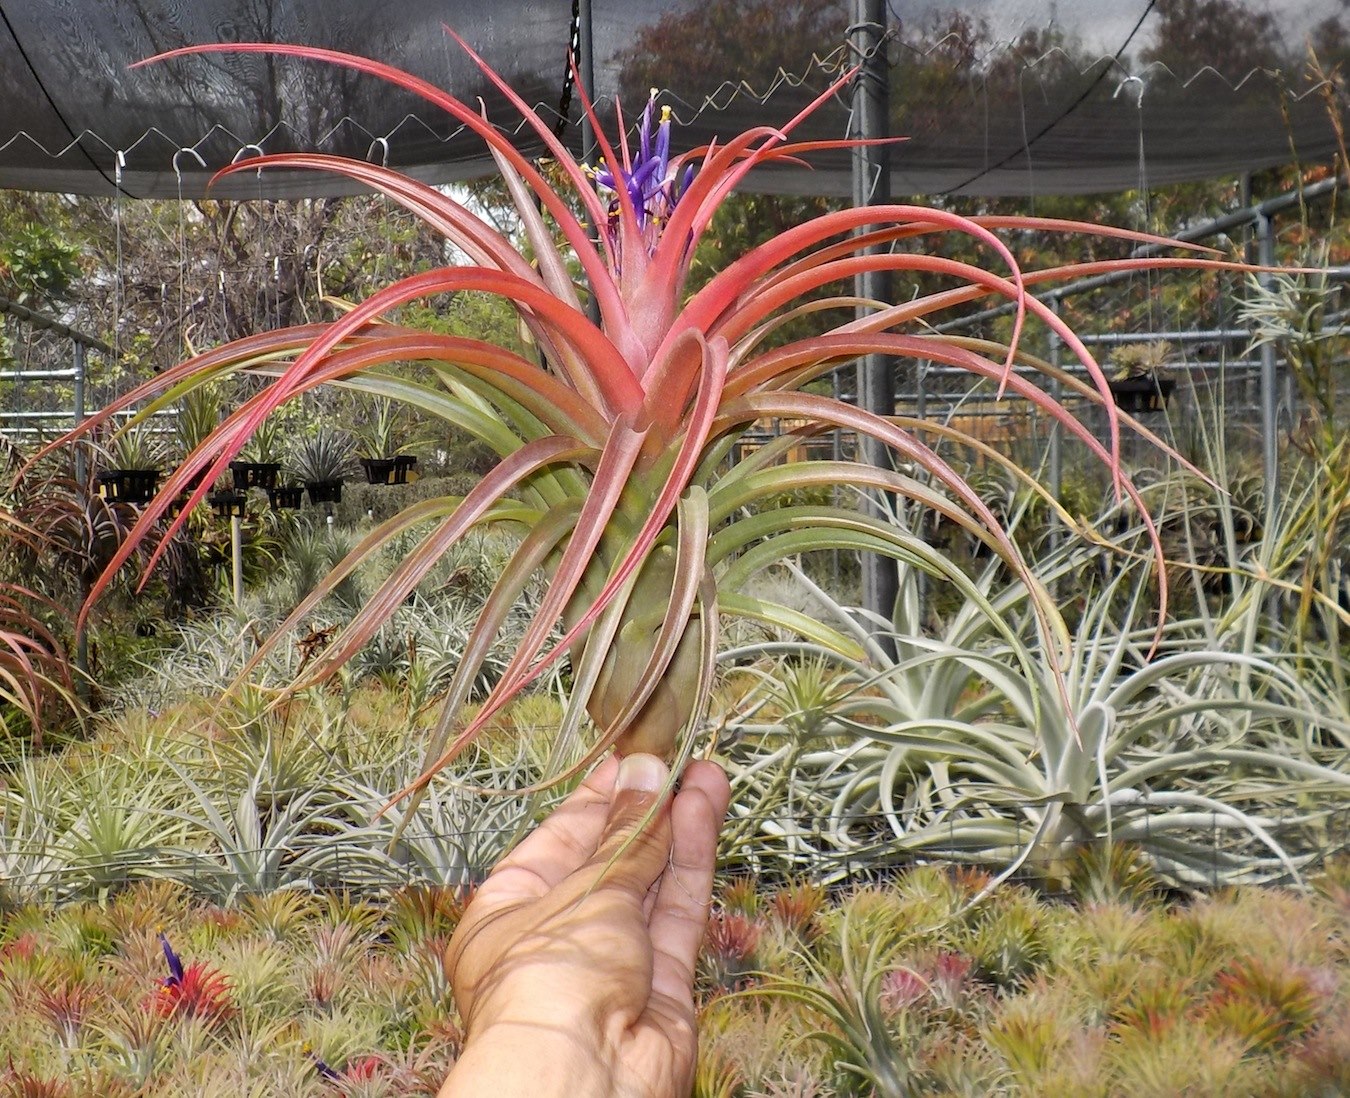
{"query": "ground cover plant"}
pixel 896 988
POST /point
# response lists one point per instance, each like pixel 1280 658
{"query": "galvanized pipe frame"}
pixel 869 121
pixel 1260 217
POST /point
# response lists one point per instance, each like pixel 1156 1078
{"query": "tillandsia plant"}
pixel 614 446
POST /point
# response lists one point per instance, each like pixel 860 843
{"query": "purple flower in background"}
pixel 325 1072
pixel 196 990
pixel 175 977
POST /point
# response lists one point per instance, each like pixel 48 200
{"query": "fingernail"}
pixel 641 773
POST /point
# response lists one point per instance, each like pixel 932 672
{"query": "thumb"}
pixel 634 847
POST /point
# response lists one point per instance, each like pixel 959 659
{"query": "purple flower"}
pixel 175 976
pixel 651 186
pixel 325 1072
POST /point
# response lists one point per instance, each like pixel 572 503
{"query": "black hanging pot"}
pixel 324 491
pixel 228 504
pixel 128 485
pixel 254 474
pixel 402 467
pixel 379 470
pixel 285 497
pixel 1142 394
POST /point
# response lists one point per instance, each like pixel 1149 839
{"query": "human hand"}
pixel 573 966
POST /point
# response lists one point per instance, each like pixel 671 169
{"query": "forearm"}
pixel 528 1061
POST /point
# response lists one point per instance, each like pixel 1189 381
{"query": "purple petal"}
pixel 644 172
pixel 663 143
pixel 645 129
pixel 171 958
pixel 684 182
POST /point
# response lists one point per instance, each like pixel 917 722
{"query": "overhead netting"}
pixel 1018 97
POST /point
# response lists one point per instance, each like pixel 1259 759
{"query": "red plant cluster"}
pixel 729 949
pixel 195 990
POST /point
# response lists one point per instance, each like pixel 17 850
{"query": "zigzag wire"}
pixel 687 112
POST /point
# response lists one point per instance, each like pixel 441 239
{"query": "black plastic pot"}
pixel 254 474
pixel 324 491
pixel 379 470
pixel 228 504
pixel 1142 394
pixel 285 497
pixel 128 485
pixel 391 470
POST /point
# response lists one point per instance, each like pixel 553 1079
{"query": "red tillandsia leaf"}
pixel 723 169
pixel 692 584
pixel 807 405
pixel 821 409
pixel 813 357
pixel 700 423
pixel 594 207
pixel 553 403
pixel 586 674
pixel 946 299
pixel 1010 289
pixel 826 474
pixel 725 290
pixel 1087 228
pixel 281 343
pixel 608 368
pixel 552 268
pixel 631 247
pixel 611 478
pixel 482 243
pixel 519 673
pixel 671 381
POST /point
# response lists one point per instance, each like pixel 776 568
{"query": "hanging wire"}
pixel 119 298
pixel 1137 85
pixel 182 249
pixel 569 73
pixel 391 212
pixel 1031 140
pixel 1026 141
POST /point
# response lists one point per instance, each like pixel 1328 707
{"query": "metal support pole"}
pixel 1270 450
pixel 586 78
pixel 81 459
pixel 237 551
pixel 1055 444
pixel 872 186
pixel 82 484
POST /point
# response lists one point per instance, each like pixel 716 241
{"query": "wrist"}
pixel 528 1060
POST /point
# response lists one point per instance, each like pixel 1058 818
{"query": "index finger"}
pixel 562 842
pixel 680 914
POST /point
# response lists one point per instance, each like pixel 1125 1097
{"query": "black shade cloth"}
pixel 1013 97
